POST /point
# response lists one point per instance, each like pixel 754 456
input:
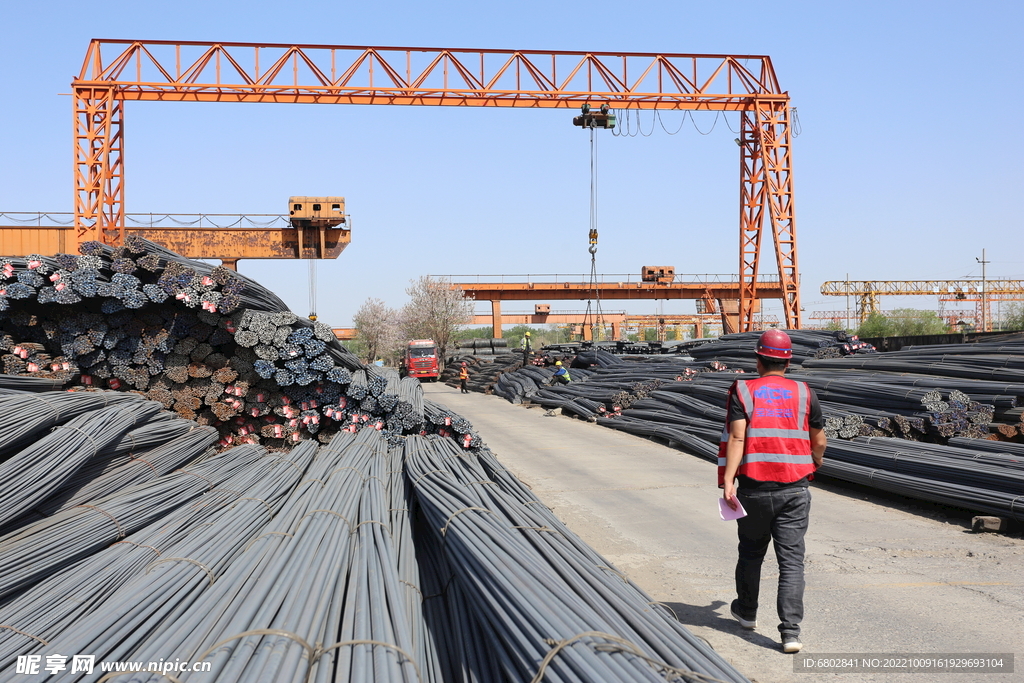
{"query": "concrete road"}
pixel 884 575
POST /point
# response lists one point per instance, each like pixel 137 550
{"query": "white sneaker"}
pixel 791 644
pixel 745 623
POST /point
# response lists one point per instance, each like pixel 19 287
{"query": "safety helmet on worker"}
pixel 527 334
pixel 558 363
pixel 775 344
pixel 463 363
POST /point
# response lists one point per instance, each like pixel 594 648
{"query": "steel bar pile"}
pixel 203 341
pixel 583 622
pixel 737 350
pixel 81 592
pixel 902 396
pixel 37 550
pixel 36 472
pixel 309 565
pixel 484 347
pixel 222 482
pixel 484 371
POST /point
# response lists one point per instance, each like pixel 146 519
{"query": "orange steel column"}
pixel 766 179
pixel 99 170
pixel 496 318
pixel 775 150
pixel 752 201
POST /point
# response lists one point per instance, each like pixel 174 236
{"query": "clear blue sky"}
pixel 908 164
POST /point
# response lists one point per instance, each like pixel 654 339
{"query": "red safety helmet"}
pixel 775 344
pixel 463 363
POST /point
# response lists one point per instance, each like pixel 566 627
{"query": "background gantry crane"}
pixel 983 292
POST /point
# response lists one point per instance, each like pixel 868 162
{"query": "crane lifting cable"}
pixel 593 316
pixel 594 303
pixel 312 289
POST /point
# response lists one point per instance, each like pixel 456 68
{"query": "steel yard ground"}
pixel 884 574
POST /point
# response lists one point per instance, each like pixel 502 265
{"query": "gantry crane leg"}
pixel 99 169
pixel 752 202
pixel 766 180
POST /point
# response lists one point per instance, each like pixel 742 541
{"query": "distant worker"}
pixel 561 374
pixel 463 377
pixel 526 347
pixel 771 446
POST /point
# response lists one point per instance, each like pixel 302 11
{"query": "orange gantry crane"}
pixel 116 71
pixel 713 292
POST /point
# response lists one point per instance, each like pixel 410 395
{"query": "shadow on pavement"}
pixel 695 615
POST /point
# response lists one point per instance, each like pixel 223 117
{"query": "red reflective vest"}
pixel 777 446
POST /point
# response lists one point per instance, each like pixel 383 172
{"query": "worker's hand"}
pixel 729 493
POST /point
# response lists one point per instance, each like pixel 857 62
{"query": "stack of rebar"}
pixel 484 371
pixel 344 562
pixel 905 397
pixel 207 343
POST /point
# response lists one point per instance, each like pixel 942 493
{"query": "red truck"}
pixel 421 359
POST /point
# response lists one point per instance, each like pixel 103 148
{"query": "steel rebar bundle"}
pixel 35 551
pixel 79 599
pixel 205 342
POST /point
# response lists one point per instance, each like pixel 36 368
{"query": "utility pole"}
pixel 984 301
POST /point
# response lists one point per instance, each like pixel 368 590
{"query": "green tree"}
pixel 473 333
pixel 876 325
pixel 902 322
pixel 1014 317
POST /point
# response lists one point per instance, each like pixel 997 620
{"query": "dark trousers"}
pixel 780 516
pixel 462 384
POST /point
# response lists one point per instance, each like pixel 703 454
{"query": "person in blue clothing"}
pixel 561 374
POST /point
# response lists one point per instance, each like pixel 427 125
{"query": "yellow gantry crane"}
pixel 983 291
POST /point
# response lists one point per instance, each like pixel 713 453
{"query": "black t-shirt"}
pixel 736 412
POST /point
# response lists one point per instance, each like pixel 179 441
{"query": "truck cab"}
pixel 421 359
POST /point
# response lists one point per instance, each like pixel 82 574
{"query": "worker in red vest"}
pixel 772 444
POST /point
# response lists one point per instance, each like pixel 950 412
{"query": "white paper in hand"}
pixel 727 513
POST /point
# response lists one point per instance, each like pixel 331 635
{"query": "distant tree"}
pixel 435 311
pixel 876 325
pixel 834 326
pixel 377 330
pixel 902 322
pixel 473 333
pixel 1015 317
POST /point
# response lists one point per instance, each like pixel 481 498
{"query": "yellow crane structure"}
pixel 983 292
